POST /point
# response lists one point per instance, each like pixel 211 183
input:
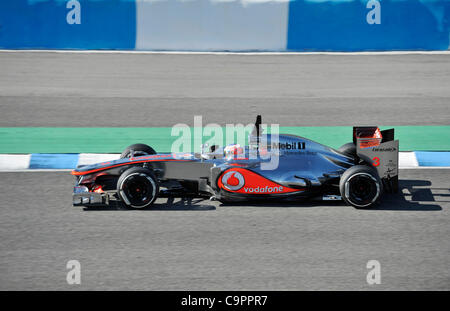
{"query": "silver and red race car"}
pixel 357 173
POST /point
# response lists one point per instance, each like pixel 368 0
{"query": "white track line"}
pixel 14 161
pixel 93 158
pixel 426 168
pixel 230 53
pixel 407 159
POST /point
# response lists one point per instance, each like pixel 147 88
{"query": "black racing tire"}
pixel 137 187
pixel 361 187
pixel 349 149
pixel 138 150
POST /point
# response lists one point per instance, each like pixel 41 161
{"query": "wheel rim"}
pixel 362 189
pixel 138 190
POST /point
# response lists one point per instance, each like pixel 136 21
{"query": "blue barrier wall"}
pixel 273 25
pixel 341 25
pixel 104 24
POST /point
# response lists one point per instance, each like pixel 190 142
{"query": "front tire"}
pixel 137 150
pixel 137 187
pixel 361 187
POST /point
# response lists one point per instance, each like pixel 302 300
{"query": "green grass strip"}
pixel 114 140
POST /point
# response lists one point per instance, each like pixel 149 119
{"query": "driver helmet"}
pixel 233 150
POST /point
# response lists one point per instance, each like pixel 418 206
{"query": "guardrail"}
pixel 221 25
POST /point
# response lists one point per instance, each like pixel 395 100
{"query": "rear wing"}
pixel 381 150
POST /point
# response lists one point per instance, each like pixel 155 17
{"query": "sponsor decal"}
pixel 390 171
pixel 301 153
pixel 265 189
pixel 244 181
pixel 387 149
pixel 233 180
pixel 289 146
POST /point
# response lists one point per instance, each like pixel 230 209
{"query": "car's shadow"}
pixel 171 204
pixel 413 195
pixel 184 204
pixel 416 195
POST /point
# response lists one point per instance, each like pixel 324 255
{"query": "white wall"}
pixel 211 24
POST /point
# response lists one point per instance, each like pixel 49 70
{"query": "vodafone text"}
pixel 265 189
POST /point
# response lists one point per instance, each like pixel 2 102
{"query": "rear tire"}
pixel 361 187
pixel 138 150
pixel 348 149
pixel 137 187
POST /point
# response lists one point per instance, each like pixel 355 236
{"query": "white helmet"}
pixel 233 151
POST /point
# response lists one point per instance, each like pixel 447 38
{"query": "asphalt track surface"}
pixel 209 246
pixel 205 245
pixel 146 90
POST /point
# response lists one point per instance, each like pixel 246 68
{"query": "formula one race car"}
pixel 357 173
